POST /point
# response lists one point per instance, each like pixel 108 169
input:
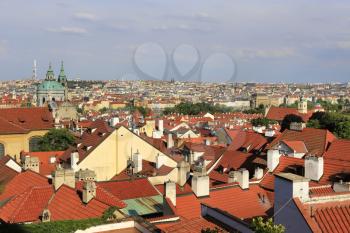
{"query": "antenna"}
pixel 34 70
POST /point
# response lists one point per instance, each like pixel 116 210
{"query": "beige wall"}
pixel 103 159
pixel 128 141
pixel 172 176
pixel 15 143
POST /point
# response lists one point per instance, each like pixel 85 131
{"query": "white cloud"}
pixel 85 16
pixel 266 53
pixel 68 30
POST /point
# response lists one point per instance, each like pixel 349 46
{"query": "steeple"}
pixel 49 74
pixel 62 78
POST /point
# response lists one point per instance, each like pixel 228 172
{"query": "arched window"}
pixel 34 143
pixel 2 150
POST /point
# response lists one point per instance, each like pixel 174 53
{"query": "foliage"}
pixel 56 140
pixel 328 106
pixel 260 226
pixel 80 110
pixel 310 105
pixel 103 110
pixel 337 123
pixel 289 119
pixel 259 110
pixel 67 226
pixel 262 122
pixel 210 230
pixel 188 108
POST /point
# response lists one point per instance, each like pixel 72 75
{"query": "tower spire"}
pixel 49 74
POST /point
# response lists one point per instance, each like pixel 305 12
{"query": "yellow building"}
pixel 21 128
pixel 111 152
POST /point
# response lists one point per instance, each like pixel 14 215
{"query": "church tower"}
pixel 62 78
pixel 302 106
pixel 50 76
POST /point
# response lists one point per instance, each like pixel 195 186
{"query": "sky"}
pixel 199 40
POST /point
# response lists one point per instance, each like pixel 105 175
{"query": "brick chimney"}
pixel 63 176
pixel 243 178
pixel 170 191
pixel 89 191
pixel 273 159
pixel 313 167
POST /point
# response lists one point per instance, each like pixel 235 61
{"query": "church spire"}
pixel 62 78
pixel 49 74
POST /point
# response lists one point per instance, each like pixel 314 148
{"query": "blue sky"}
pixel 269 41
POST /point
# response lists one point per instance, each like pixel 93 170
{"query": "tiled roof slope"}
pixel 339 150
pixel 278 113
pixel 315 140
pixel 23 120
pixel 6 173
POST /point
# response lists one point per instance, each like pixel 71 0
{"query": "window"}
pixel 34 143
pixel 2 150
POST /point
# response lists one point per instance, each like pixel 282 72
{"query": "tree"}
pixel 260 226
pixel 337 123
pixel 56 140
pixel 211 230
pixel 289 119
pixel 262 122
pixel 342 129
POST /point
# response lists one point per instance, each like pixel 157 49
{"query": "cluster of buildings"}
pixel 174 173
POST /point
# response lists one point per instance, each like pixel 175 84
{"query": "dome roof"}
pixel 50 85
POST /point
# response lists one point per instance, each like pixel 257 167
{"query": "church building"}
pixel 51 89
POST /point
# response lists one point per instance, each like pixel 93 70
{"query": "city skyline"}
pixel 270 42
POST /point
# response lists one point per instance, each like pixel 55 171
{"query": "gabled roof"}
pixel 296 146
pixel 315 140
pixel 24 120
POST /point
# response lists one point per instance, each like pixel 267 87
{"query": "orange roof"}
pixel 297 146
pixel 339 150
pixel 278 113
pixel 46 167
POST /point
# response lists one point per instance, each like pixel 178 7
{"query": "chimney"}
pixel 288 185
pixel 160 125
pixel 243 178
pixel 160 160
pixel 200 184
pixel 89 191
pixel 170 191
pixel 297 126
pixel 137 159
pixel 207 142
pixel 31 163
pixel 170 142
pixel 46 215
pixel 74 159
pixel 63 176
pixel 232 176
pixel 258 173
pixel 313 167
pixel 273 159
pixel 183 172
pixel 341 186
pixel 86 174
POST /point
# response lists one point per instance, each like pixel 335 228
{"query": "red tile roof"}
pixel 296 146
pixel 66 204
pixel 315 140
pixel 27 206
pixel 24 120
pixel 45 166
pixel 6 173
pixel 339 150
pixel 278 113
pixel 129 189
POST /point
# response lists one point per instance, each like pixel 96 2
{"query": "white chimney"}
pixel 183 172
pixel 313 167
pixel 207 142
pixel 74 159
pixel 341 186
pixel 232 176
pixel 297 126
pixel 170 191
pixel 113 121
pixel 137 159
pixel 170 142
pixel 160 125
pixel 273 159
pixel 243 178
pixel 298 186
pixel 156 134
pixel 258 173
pixel 89 191
pixel 200 185
pixel 160 160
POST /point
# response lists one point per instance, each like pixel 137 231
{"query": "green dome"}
pixel 50 85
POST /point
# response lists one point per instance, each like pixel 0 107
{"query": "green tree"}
pixel 56 140
pixel 103 110
pixel 260 226
pixel 289 119
pixel 342 129
pixel 262 122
